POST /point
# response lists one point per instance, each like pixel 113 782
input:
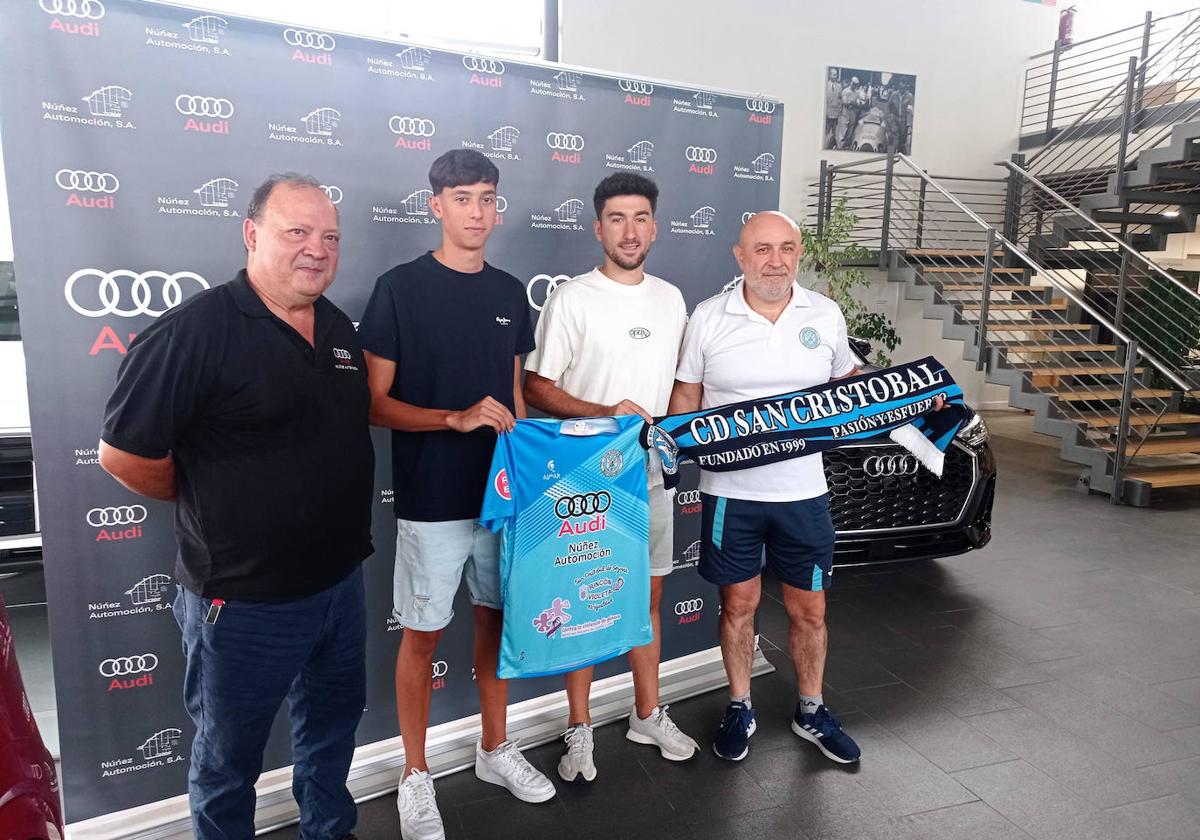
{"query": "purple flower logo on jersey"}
pixel 550 620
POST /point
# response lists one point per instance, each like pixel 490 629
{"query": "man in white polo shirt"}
pixel 767 336
pixel 607 344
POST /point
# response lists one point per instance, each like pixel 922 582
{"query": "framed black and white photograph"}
pixel 868 110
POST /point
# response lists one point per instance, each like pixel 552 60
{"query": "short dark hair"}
pixel 462 167
pixel 624 183
pixel 262 193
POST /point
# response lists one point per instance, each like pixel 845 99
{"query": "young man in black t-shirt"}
pixel 444 335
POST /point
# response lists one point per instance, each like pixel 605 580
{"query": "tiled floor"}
pixel 1047 687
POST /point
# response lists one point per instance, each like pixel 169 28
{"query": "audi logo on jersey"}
pixel 582 505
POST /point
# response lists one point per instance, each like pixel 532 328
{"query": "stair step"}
pixel 1161 197
pixel 1076 370
pixel 1022 346
pixel 974 287
pixel 1176 174
pixel 1166 446
pixel 1167 476
pixel 1020 307
pixel 1107 394
pixel 1034 326
pixel 950 252
pixel 1117 217
pixel 1110 421
pixel 947 269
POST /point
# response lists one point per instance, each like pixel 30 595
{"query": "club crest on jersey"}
pixel 810 338
pixel 611 462
pixel 501 485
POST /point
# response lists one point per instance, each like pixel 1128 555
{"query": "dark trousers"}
pixel 240 668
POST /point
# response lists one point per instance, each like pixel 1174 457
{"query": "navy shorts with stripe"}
pixel 798 538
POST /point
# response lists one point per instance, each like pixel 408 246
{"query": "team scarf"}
pixel 897 402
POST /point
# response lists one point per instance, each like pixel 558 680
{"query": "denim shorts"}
pixel 431 558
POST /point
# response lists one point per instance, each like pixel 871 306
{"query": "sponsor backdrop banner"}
pixel 133 137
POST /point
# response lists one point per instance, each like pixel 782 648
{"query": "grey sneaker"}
pixel 577 761
pixel 505 766
pixel 660 731
pixel 417 804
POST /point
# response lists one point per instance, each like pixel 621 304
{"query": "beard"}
pixel 627 263
pixel 770 288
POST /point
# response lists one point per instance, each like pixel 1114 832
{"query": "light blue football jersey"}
pixel 571 498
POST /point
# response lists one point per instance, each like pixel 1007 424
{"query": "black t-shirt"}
pixel 270 437
pixel 453 337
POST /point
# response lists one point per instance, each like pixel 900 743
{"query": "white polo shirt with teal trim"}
pixel 737 354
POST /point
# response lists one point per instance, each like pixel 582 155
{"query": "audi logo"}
pixel 90 9
pixel 140 290
pixel 582 505
pixel 760 106
pixel 700 154
pixel 80 179
pixel 128 665
pixel 636 87
pixel 501 204
pixel 747 216
pixel 339 353
pixel 566 142
pixel 334 192
pixel 688 497
pixel 309 40
pixel 203 106
pixel 440 668
pixel 533 291
pixel 878 466
pixel 415 126
pixel 124 515
pixel 690 606
pixel 479 64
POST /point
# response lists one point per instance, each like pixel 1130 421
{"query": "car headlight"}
pixel 974 432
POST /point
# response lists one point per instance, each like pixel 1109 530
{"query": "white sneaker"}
pixel 660 731
pixel 578 759
pixel 505 766
pixel 417 804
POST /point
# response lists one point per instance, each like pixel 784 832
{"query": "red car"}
pixel 30 808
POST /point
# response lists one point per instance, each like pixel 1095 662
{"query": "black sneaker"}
pixel 733 739
pixel 823 729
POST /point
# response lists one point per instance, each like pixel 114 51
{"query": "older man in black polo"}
pixel 248 406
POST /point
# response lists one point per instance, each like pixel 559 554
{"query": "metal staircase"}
pixel 1108 373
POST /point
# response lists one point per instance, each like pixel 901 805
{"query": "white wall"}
pixel 968 57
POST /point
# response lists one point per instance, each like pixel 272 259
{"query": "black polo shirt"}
pixel 454 338
pixel 270 437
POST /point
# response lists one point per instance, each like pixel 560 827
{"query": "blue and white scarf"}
pixel 898 401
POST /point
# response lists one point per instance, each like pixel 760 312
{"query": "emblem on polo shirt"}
pixel 639 332
pixel 611 462
pixel 343 360
pixel 810 338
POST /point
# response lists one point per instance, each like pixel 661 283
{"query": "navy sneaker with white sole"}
pixel 823 729
pixel 733 738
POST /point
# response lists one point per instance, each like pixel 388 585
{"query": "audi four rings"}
pixel 761 106
pixel 566 142
pixel 203 106
pixel 582 505
pixel 878 466
pixel 309 40
pixel 334 192
pixel 688 497
pixel 552 283
pixel 700 154
pixel 123 515
pixel 81 179
pixel 479 64
pixel 140 291
pixel 416 126
pixel 128 665
pixel 440 668
pixel 690 606
pixel 636 87
pixel 90 9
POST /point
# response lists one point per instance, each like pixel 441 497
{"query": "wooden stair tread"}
pixel 1106 394
pixel 1172 446
pixel 1034 326
pixel 1077 370
pixel 947 269
pixel 1110 421
pixel 1019 307
pixel 1167 476
pixel 950 252
pixel 1022 346
pixel 1005 287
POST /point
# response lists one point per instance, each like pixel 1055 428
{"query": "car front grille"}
pixel 903 497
